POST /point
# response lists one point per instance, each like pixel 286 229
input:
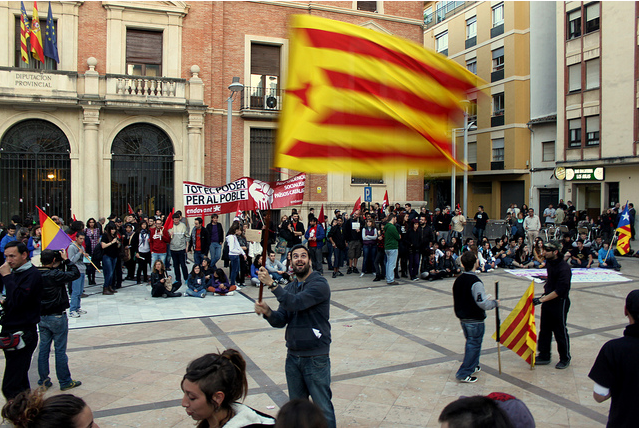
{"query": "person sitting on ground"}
pixel 277 270
pixel 437 251
pixel 606 258
pixel 214 386
pixel 430 269
pixel 567 246
pixel 30 409
pixel 585 240
pixel 539 259
pixel 581 256
pixel 499 251
pixel 487 261
pixel 220 283
pixel 447 265
pixel 524 258
pixel 474 412
pixel 596 244
pixel 196 283
pixel 300 413
pixel 468 244
pixel 207 269
pixel 257 263
pixel 161 286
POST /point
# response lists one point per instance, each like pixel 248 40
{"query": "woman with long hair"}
pixel 214 386
pixel 220 283
pixel 35 245
pixel 110 250
pixel 30 409
pixel 369 241
pixel 91 241
pixel 538 253
pixel 161 285
pixel 235 251
pixel 196 284
pixel 257 263
pixel 141 249
pixel 523 259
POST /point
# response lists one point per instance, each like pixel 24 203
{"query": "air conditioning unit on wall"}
pixel 272 102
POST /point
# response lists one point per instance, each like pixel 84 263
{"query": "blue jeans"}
pixel 179 258
pixel 54 328
pixel 197 257
pixel 392 258
pixel 473 332
pixel 157 257
pixel 369 253
pixel 108 269
pixel 77 287
pixel 215 250
pixel 196 293
pixel 283 258
pixel 234 268
pixel 311 376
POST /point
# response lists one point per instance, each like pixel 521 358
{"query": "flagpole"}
pixel 498 332
pixel 615 234
pixel 88 257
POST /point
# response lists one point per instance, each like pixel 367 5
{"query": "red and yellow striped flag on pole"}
pixel 363 101
pixel 36 36
pixel 518 331
pixel 24 33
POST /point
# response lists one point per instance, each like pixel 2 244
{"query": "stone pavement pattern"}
pixel 394 354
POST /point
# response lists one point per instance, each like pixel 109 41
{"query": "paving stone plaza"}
pixel 394 354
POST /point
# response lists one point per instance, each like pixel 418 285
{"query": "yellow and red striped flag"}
pixel 36 36
pixel 518 331
pixel 363 101
pixel 624 231
pixel 24 33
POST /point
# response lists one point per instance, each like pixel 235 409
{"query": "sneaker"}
pixel 415 279
pixel 45 384
pixel 228 294
pixel 490 269
pixel 542 361
pixel 74 383
pixel 361 274
pixel 349 270
pixel 478 271
pixel 340 274
pixel 81 311
pixel 74 314
pixel 477 369
pixel 393 283
pixel 355 271
pixel 202 295
pixel 377 279
pixel 563 364
pixel 185 294
pixel 84 295
pixel 469 379
pixel 334 275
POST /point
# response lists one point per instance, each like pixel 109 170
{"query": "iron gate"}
pixel 141 170
pixel 35 170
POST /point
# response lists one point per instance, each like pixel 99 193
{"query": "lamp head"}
pixel 236 86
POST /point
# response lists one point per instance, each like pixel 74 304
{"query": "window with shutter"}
pixel 144 53
pixel 574 24
pixel 498 59
pixel 593 73
pixel 368 6
pixel 593 130
pixel 472 152
pixel 575 82
pixel 497 149
pixel 593 17
pixel 548 151
pixel 265 75
pixel 575 133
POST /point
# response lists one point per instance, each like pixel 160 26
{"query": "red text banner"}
pixel 244 193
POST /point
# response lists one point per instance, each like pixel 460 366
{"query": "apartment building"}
pixel 597 98
pixel 137 103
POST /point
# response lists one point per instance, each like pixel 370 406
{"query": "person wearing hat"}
pixel 555 307
pixel 615 371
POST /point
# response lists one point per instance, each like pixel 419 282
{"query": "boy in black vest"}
pixel 470 302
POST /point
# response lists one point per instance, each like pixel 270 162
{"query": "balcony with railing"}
pixel 445 10
pixel 261 102
pixel 145 89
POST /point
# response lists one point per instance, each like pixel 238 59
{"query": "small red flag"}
pixel 74 218
pixel 168 223
pixel 321 215
pixel 356 206
pixel 385 202
pixel 130 209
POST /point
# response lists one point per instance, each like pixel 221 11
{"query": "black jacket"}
pixel 204 240
pixel 22 305
pixel 220 232
pixel 54 288
pixel 558 277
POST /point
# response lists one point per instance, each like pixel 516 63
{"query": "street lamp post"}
pixel 235 87
pixel 467 125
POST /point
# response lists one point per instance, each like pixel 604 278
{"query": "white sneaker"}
pixel 478 272
pixel 81 311
pixel 74 314
pixel 228 293
pixel 361 274
pixel 489 270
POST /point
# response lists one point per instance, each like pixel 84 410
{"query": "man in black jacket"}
pixel 216 238
pixel 199 241
pixel 304 309
pixel 426 239
pixel 54 325
pixel 23 285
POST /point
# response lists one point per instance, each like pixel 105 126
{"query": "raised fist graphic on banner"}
pixel 262 194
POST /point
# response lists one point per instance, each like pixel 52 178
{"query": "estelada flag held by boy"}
pixel 518 331
pixel 362 101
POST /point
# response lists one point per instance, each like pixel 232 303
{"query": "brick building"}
pixel 138 102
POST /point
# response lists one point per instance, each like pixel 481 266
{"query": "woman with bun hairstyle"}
pixel 213 386
pixel 31 410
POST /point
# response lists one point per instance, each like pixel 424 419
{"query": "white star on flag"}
pixel 625 216
pixel 216 208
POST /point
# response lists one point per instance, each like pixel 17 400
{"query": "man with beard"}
pixel 304 310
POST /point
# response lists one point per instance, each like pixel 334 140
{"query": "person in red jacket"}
pixel 158 242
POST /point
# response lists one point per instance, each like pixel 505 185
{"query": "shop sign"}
pixel 586 173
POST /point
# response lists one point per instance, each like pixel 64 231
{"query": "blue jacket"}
pixel 304 310
pixel 319 234
pixel 192 283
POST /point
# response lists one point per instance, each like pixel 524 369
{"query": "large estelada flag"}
pixel 624 231
pixel 52 236
pixel 362 101
pixel 518 331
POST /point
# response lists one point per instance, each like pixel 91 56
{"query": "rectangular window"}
pixel 442 42
pixel 265 76
pixel 472 65
pixel 593 73
pixel 366 180
pixel 261 142
pixel 471 27
pixel 497 150
pixel 472 152
pixel 498 104
pixel 548 151
pixel 49 64
pixel 428 15
pixel 574 23
pixel 575 77
pixel 368 6
pixel 497 14
pixel 593 18
pixel 481 187
pixel 472 111
pixel 144 53
pixel 575 133
pixel 498 59
pixel 593 130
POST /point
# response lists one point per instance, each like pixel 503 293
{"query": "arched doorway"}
pixel 141 170
pixel 35 170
